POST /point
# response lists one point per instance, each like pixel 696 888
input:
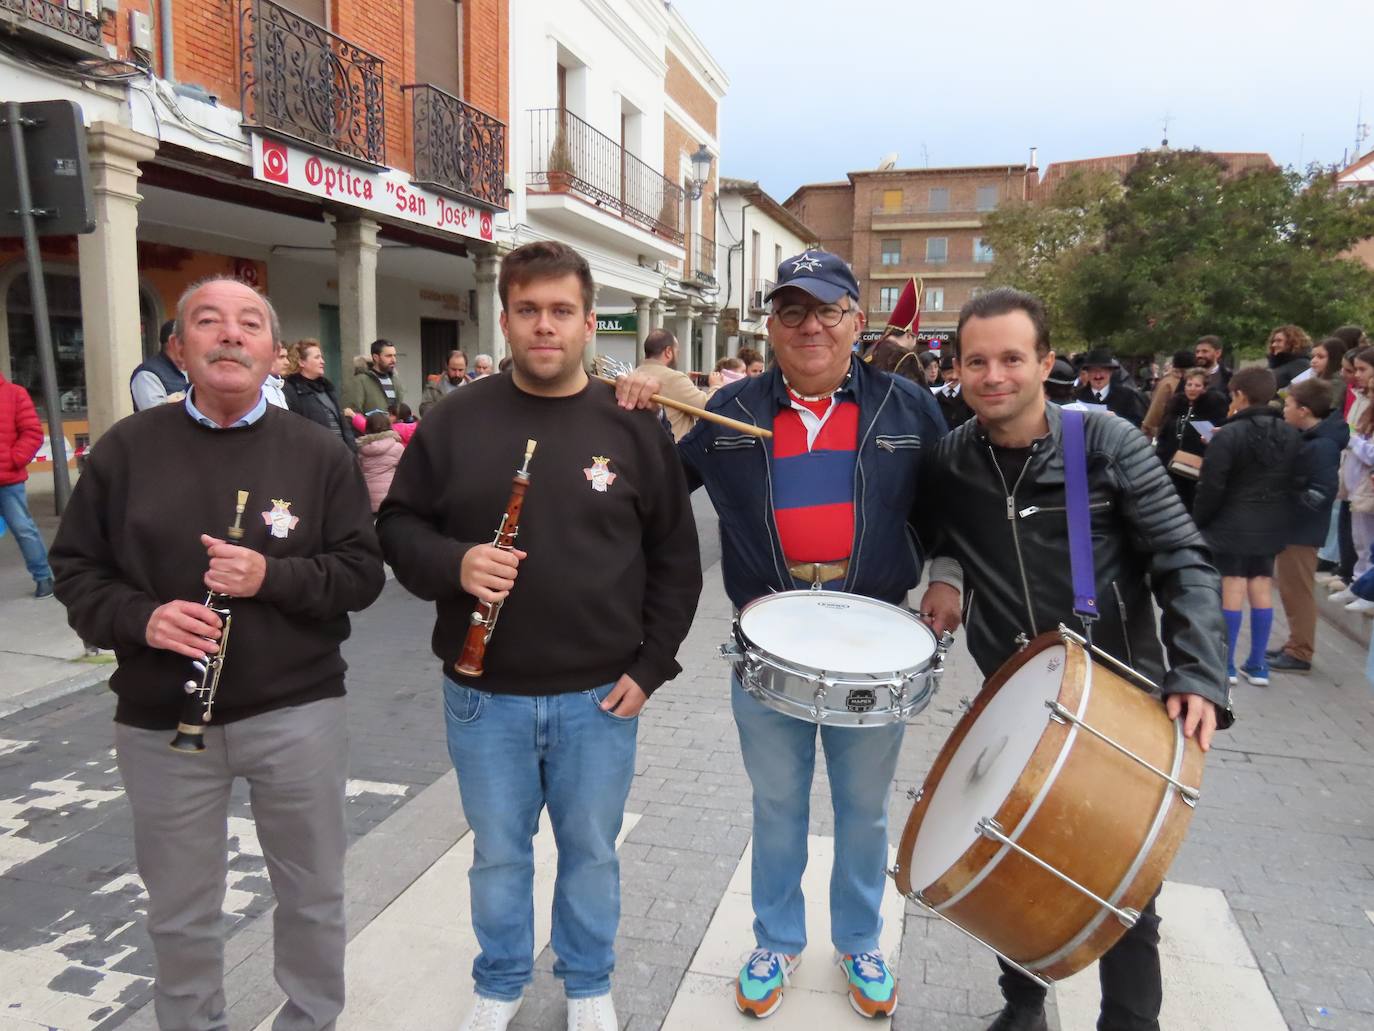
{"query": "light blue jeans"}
pixel 514 755
pixel 780 757
pixel 14 509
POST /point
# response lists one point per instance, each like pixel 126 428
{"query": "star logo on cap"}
pixel 805 263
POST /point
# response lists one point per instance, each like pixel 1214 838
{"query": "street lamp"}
pixel 702 161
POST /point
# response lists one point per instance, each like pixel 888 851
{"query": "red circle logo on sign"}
pixel 486 225
pixel 274 165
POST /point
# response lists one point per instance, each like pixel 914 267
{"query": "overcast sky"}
pixel 820 89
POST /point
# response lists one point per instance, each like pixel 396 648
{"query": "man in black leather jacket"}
pixel 1001 480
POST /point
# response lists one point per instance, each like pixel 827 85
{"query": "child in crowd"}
pixel 379 452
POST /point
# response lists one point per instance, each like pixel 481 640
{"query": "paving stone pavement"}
pixel 1285 830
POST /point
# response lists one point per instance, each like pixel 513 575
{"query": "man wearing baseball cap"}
pixel 821 504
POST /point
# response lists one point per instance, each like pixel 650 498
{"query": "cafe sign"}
pixel 387 191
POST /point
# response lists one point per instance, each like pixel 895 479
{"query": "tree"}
pixel 1184 248
pixel 1038 245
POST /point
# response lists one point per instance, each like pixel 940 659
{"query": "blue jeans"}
pixel 514 755
pixel 780 757
pixel 14 509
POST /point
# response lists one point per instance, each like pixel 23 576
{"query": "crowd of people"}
pixel 852 481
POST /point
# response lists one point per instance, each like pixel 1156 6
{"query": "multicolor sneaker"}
pixel 872 988
pixel 758 992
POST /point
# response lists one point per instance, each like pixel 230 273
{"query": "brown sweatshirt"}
pixel 130 541
pixel 614 571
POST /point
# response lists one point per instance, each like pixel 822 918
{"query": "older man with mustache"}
pixel 269 528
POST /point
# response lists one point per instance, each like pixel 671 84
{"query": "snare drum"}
pixel 1054 809
pixel 835 658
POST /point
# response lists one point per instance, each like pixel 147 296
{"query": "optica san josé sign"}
pixel 387 192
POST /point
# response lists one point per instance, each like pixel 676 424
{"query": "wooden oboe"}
pixel 484 616
pixel 198 705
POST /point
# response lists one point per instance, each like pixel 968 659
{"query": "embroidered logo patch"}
pixel 280 518
pixel 600 474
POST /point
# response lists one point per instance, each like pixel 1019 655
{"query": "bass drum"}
pixel 1054 809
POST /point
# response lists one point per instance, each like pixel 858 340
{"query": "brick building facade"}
pixel 893 224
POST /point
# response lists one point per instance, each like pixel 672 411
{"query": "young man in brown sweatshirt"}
pixel 596 597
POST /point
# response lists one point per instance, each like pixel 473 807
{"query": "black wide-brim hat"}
pixel 1100 358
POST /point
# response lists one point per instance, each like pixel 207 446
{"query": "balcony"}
pixel 458 148
pixel 919 216
pixel 569 156
pixel 702 269
pixel 758 290
pixel 56 23
pixel 303 81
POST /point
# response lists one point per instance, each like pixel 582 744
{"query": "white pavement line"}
pixel 817 997
pixel 353 788
pixel 1211 979
pixel 411 967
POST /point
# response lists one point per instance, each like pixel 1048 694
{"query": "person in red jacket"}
pixel 21 434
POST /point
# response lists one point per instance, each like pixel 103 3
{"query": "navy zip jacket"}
pixel 1319 461
pixel 899 421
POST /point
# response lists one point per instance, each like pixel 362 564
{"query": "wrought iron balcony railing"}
pixel 57 15
pixel 568 154
pixel 304 81
pixel 703 264
pixel 457 147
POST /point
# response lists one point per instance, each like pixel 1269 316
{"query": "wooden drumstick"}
pixel 701 413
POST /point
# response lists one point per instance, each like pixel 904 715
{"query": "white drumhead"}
pixel 986 765
pixel 839 633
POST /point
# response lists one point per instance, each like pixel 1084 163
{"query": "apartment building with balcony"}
pixel 893 224
pixel 349 157
pixel 613 101
pixel 755 234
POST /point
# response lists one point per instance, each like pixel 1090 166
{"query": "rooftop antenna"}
pixel 1164 143
pixel 888 163
pixel 925 155
pixel 1361 129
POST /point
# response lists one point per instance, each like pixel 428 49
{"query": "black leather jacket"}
pixel 1012 542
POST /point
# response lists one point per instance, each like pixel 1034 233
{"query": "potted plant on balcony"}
pixel 560 163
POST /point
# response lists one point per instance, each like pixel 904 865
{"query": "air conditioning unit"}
pixel 756 305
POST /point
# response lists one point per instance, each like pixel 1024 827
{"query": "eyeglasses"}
pixel 793 315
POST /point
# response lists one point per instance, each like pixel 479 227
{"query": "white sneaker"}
pixel 1343 596
pixel 594 1014
pixel 1360 605
pixel 490 1014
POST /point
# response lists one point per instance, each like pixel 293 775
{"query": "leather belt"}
pixel 819 572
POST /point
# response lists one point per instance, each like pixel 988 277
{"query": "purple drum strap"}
pixel 1080 518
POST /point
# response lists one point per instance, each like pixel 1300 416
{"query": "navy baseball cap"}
pixel 825 276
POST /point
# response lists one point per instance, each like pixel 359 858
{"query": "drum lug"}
pixel 914 794
pixel 730 651
pixel 990 828
pixel 965 703
pixel 818 699
pixel 1060 714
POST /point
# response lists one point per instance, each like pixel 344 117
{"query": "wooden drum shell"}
pixel 1102 819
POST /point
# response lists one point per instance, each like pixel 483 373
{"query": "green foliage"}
pixel 1179 249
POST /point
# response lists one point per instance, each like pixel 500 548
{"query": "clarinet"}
pixel 198 705
pixel 484 616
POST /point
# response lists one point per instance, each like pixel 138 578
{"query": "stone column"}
pixel 490 339
pixel 642 327
pixel 682 329
pixel 355 244
pixel 656 313
pixel 108 264
pixel 710 350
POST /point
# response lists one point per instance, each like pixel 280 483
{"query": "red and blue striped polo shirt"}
pixel 813 480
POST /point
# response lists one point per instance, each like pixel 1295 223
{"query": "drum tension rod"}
pixel 990 828
pixel 1060 714
pixel 915 897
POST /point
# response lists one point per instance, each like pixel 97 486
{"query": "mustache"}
pixel 231 354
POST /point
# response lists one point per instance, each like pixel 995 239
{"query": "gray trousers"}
pixel 295 762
